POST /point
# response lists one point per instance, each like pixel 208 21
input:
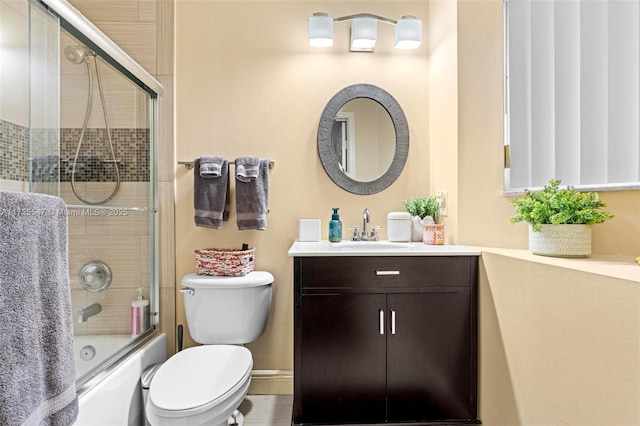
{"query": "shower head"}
pixel 77 54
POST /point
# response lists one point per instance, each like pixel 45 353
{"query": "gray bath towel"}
pixel 210 189
pixel 252 192
pixel 37 370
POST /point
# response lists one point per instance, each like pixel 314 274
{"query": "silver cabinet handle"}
pixel 381 312
pixel 387 272
pixel 393 322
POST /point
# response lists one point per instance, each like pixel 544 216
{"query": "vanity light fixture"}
pixel 408 32
pixel 320 30
pixel 364 31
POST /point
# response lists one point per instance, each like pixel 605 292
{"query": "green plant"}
pixel 554 206
pixel 422 206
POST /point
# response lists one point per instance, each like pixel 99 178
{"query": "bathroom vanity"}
pixel 384 333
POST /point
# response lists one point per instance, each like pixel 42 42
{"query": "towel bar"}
pixel 189 164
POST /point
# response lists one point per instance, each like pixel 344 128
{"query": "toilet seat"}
pixel 198 379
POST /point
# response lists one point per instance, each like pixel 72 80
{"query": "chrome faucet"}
pixel 365 219
pixel 91 310
pixel 366 215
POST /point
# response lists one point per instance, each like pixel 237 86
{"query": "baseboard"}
pixel 271 382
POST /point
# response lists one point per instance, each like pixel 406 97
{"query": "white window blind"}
pixel 572 93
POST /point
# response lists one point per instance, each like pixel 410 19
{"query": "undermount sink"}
pixel 369 245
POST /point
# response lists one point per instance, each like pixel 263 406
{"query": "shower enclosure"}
pixel 77 120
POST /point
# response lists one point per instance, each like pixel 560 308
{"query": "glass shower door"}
pixel 44 101
pixel 107 182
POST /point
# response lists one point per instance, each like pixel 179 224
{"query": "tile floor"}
pixel 267 410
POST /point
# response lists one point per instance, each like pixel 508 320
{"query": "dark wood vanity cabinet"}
pixel 385 340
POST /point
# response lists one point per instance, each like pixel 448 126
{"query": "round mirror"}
pixel 363 139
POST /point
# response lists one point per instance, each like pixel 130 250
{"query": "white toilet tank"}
pixel 227 310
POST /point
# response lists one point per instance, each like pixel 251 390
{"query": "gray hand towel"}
pixel 211 167
pixel 210 188
pixel 37 370
pixel 252 192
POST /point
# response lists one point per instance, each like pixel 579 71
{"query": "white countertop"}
pixel 376 248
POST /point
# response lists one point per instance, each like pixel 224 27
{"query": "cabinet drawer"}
pixel 380 271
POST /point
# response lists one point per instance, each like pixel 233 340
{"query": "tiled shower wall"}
pixel 14 151
pixel 116 237
pixel 144 29
pixel 131 148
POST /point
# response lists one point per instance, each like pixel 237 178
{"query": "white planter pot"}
pixel 561 240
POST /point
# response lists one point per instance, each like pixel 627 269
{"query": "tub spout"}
pixel 91 310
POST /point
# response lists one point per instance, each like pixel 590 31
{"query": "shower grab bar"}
pixel 89 207
pixel 190 164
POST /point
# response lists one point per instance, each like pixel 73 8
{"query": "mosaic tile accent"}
pixel 131 147
pixel 45 165
pixel 14 151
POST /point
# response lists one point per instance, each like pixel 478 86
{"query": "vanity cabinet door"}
pixel 428 358
pixel 342 358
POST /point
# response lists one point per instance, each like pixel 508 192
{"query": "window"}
pixel 572 93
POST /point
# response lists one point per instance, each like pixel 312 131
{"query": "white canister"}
pixel 399 227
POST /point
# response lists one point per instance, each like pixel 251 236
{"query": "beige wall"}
pixel 557 346
pixel 248 84
pixel 443 109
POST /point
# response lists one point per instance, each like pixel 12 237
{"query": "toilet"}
pixel 204 385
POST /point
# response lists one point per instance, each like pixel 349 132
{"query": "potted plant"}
pixel 421 208
pixel 560 220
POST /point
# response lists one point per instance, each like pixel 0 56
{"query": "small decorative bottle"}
pixel 335 227
pixel 140 315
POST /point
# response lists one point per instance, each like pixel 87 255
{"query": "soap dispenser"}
pixel 335 227
pixel 140 315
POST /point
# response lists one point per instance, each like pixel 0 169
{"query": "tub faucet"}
pixel 91 310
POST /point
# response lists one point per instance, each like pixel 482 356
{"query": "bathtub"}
pixel 90 351
pixel 114 397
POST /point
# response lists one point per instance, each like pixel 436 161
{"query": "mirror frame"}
pixel 325 149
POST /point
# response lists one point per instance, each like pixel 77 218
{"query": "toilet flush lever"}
pixel 187 291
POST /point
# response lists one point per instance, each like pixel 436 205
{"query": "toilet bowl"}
pixel 203 385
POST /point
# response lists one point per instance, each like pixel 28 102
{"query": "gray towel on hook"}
pixel 252 192
pixel 37 369
pixel 210 189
